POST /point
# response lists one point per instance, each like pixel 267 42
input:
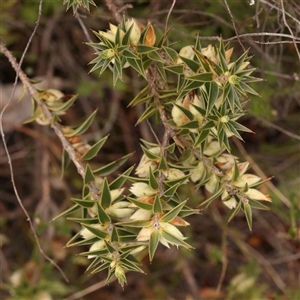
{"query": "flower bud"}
pixel 186 52
pixel 257 195
pixel 120 274
pixel 120 210
pixel 198 172
pixel 210 53
pixel 173 174
pixel 99 245
pixel 141 215
pixel 212 148
pixel 246 179
pixel 231 202
pixel 135 33
pixel 150 37
pixel 212 184
pixel 141 189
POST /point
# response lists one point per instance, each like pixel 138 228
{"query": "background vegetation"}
pixel 229 261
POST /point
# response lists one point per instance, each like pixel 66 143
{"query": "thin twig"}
pixel 89 290
pixel 269 124
pixel 263 34
pixel 289 28
pixel 233 23
pixel 114 9
pixel 279 9
pixel 18 70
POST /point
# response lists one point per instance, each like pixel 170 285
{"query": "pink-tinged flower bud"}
pixel 150 37
pixel 210 53
pixel 135 31
pixel 141 215
pixel 198 172
pixel 99 245
pixel 186 52
pixel 212 148
pixel 52 96
pixel 173 174
pixel 225 161
pixel 246 179
pixel 146 163
pixel 212 184
pixel 141 189
pixel 145 233
pixel 179 222
pixel 228 54
pixel 257 195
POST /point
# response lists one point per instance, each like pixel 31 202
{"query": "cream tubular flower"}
pixel 257 195
pixel 120 210
pixel 135 31
pixel 96 246
pixel 141 215
pixel 186 52
pixel 210 53
pixel 198 172
pixel 141 189
pixel 231 202
pixel 173 174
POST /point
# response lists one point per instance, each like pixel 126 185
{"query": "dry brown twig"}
pixel 24 79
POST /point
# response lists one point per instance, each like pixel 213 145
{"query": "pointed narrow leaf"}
pixel 157 208
pixel 170 215
pixel 203 77
pixel 111 167
pixel 213 95
pixel 65 161
pixel 68 211
pixel 101 268
pixel 152 180
pixel 163 165
pixel 153 243
pixel 140 204
pixel 248 214
pixel 97 232
pixel 213 197
pixel 155 56
pixel 173 240
pixel 177 69
pixel 193 65
pixel 147 113
pixel 83 127
pixel 105 199
pixel 93 151
pixel 88 174
pixel 237 209
pixel 173 55
pixel 143 49
pixel 161 70
pixel 142 94
pixel 120 180
pixel 84 203
pixel 102 215
pixel 185 111
pixel 129 54
pixel 114 235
